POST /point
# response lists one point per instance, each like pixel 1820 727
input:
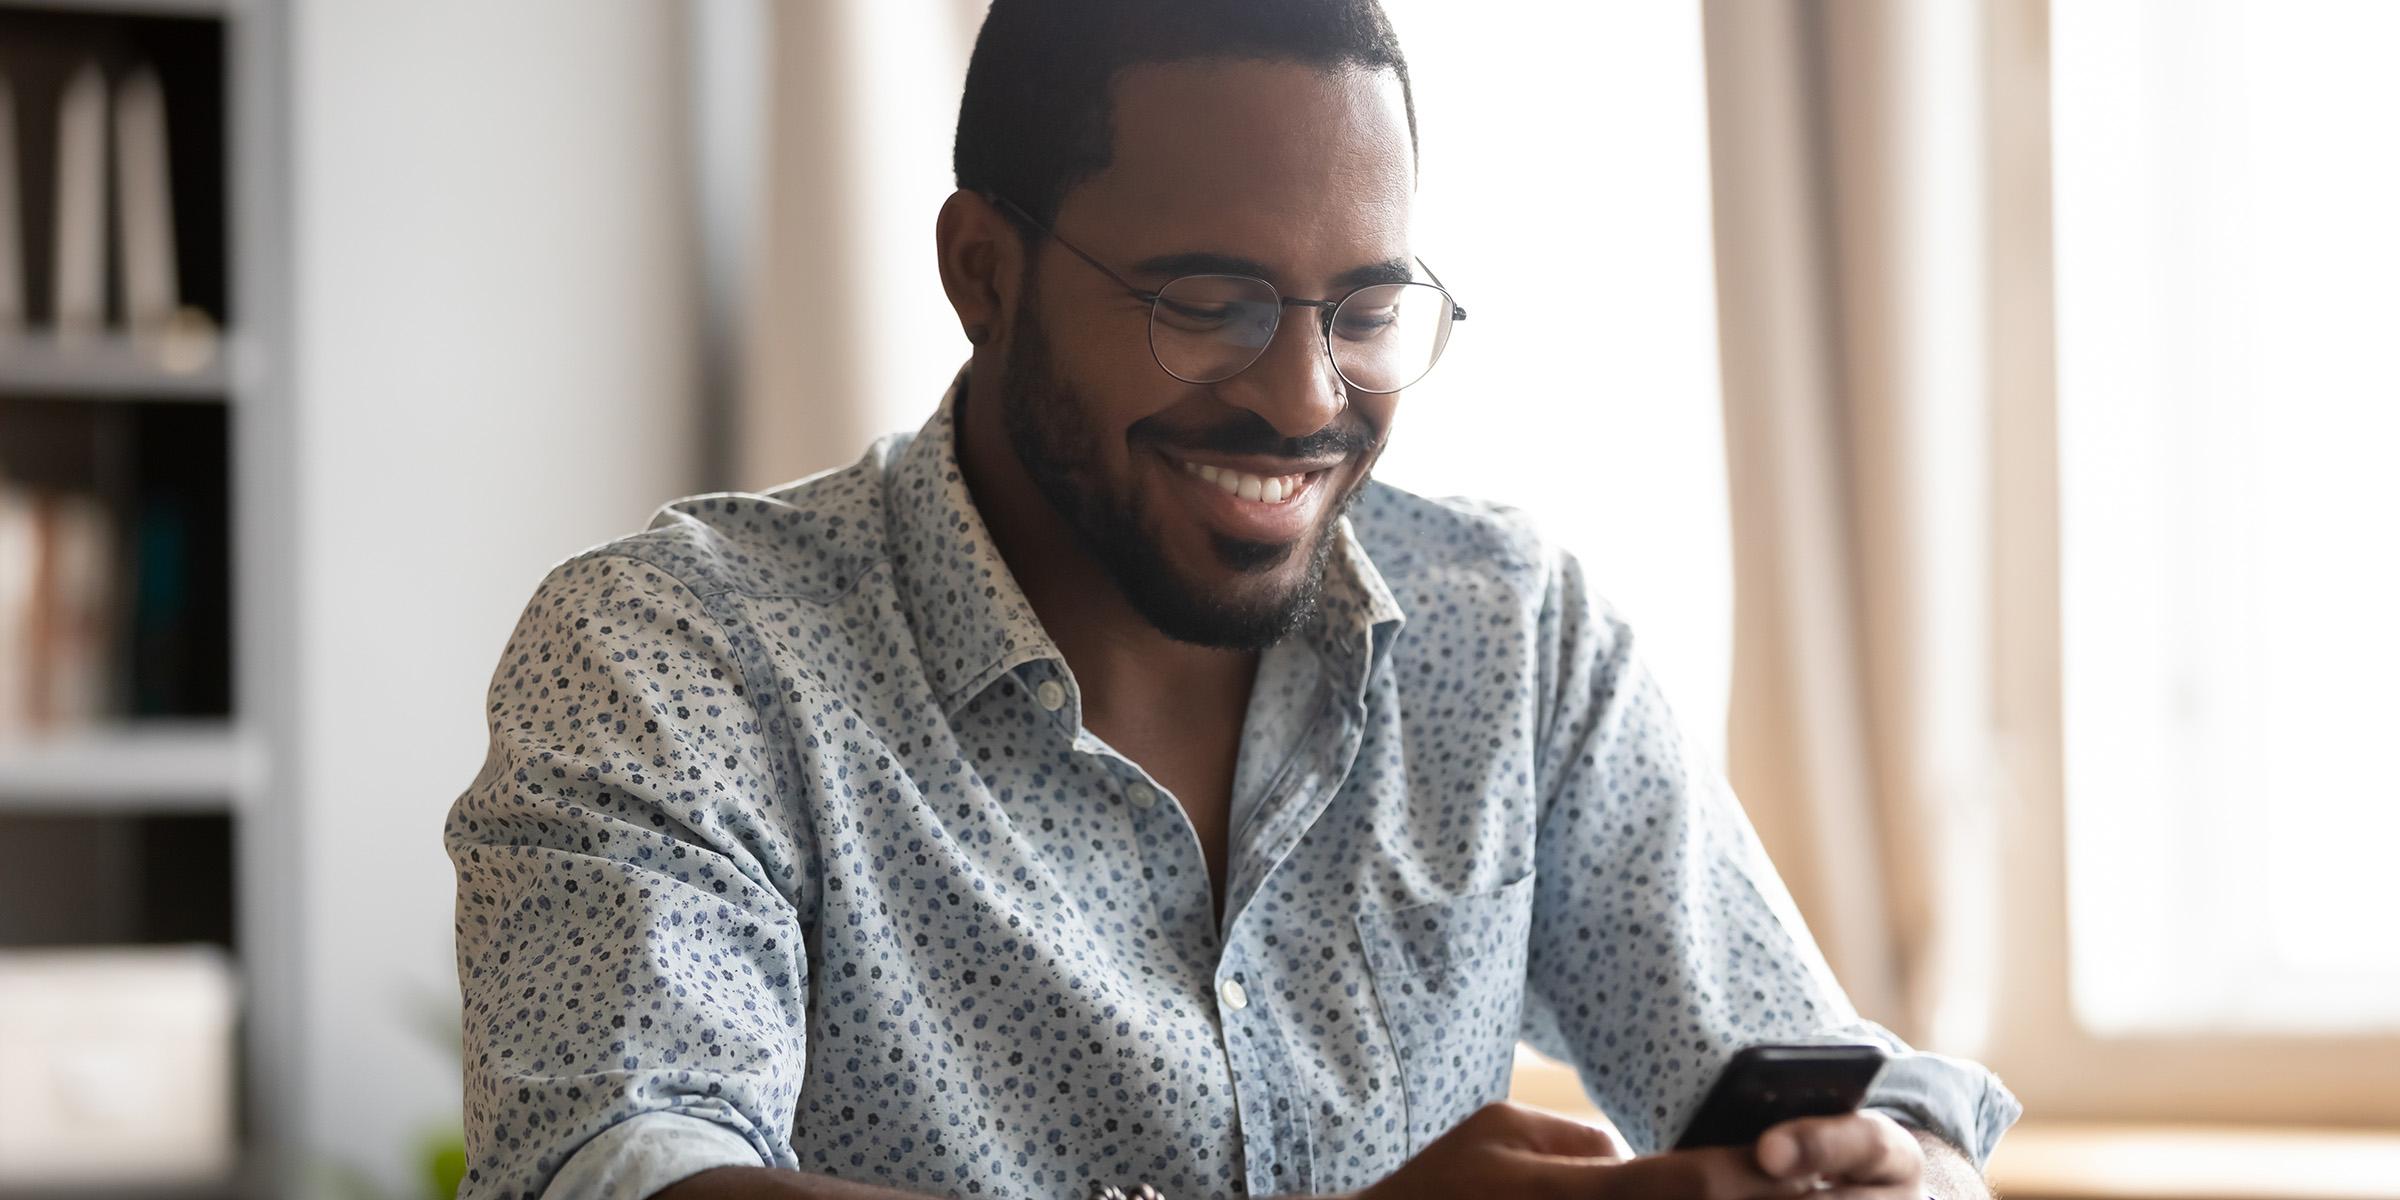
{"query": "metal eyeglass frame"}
pixel 1325 308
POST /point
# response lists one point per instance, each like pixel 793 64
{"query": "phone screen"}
pixel 1766 1085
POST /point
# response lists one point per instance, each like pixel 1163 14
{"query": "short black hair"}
pixel 1037 115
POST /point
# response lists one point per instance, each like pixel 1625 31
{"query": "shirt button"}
pixel 1052 696
pixel 1141 795
pixel 1234 996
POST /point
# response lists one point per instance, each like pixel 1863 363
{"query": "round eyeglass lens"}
pixel 1387 336
pixel 1206 328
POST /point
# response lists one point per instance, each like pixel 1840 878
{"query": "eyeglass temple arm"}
pixel 1072 248
pixel 1457 313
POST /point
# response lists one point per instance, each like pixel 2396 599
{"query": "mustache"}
pixel 1253 437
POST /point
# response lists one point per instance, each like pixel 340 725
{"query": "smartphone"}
pixel 1766 1085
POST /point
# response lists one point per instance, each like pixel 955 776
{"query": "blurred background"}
pixel 1983 410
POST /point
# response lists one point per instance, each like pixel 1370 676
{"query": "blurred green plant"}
pixel 441 1151
pixel 441 1160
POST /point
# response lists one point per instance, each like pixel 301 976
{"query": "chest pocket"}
pixel 1450 980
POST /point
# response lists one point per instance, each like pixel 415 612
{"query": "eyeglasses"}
pixel 1209 328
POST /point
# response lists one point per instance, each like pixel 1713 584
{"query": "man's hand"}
pixel 1509 1150
pixel 1862 1156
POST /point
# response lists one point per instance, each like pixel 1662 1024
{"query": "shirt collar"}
pixel 973 623
pixel 1357 615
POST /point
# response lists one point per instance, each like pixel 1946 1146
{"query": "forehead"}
pixel 1286 162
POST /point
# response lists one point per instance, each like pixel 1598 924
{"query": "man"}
pixel 1109 784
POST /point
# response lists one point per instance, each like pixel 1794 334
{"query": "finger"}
pixel 1546 1132
pixel 1856 1148
pixel 1718 1173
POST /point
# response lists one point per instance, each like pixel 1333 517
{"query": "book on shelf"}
pixel 16 610
pixel 12 228
pixel 112 221
pixel 58 599
pixel 145 208
pixel 115 564
pixel 78 247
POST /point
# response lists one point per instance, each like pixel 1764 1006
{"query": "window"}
pixel 2228 287
pixel 1583 386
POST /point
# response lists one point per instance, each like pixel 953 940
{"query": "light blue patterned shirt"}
pixel 791 849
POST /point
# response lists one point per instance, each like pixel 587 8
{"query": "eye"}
pixel 1197 315
pixel 1222 305
pixel 1365 324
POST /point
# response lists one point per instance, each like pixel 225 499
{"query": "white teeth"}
pixel 1260 488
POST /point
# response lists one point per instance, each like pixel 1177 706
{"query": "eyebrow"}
pixel 1206 262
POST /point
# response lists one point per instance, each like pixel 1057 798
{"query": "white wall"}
pixel 494 359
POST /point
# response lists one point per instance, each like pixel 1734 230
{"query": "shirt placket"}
pixel 1270 1107
pixel 1268 1118
pixel 1266 1088
pixel 1266 1079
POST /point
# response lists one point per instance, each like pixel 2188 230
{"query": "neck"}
pixel 1127 671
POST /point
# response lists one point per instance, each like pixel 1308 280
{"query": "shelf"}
pixel 109 367
pixel 228 1189
pixel 138 8
pixel 132 767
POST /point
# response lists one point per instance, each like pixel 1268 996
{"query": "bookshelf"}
pixel 141 801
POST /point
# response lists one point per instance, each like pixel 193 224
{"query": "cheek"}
pixel 1378 412
pixel 1107 364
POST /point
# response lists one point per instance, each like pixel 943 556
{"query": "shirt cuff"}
pixel 1951 1098
pixel 639 1158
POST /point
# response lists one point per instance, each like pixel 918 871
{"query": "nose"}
pixel 1293 385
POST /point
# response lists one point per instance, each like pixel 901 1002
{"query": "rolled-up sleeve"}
pixel 1663 940
pixel 629 941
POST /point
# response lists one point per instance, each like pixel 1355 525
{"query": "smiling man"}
pixel 1110 783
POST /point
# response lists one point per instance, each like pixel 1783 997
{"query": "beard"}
pixel 1055 435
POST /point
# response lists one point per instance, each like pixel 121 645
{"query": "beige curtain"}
pixel 835 329
pixel 1848 160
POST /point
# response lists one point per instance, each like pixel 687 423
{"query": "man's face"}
pixel 1296 174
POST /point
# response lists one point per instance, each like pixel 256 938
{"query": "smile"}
pixel 1264 489
pixel 1250 506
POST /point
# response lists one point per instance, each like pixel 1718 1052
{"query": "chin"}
pixel 1262 594
pixel 1235 606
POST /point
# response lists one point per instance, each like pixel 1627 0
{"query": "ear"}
pixel 980 254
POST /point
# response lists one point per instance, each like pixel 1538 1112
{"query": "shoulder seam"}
pixel 742 646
